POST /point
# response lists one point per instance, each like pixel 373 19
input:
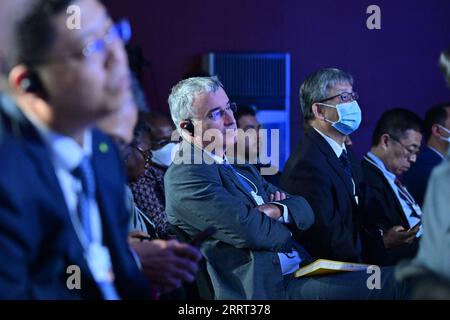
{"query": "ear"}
pixel 435 129
pixel 16 77
pixel 384 141
pixel 188 126
pixel 183 124
pixel 319 112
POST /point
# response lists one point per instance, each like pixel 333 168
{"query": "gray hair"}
pixel 182 97
pixel 444 63
pixel 316 88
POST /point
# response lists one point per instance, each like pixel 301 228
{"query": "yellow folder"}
pixel 323 267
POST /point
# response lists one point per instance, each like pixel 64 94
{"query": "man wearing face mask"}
pixel 437 135
pixel 324 171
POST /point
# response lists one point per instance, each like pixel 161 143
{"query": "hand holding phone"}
pixel 416 226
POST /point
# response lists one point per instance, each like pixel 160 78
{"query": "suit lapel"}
pixel 332 159
pixel 236 181
pixel 105 180
pixel 197 154
pixel 40 157
pixel 388 187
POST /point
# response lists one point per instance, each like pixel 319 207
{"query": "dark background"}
pixel 396 66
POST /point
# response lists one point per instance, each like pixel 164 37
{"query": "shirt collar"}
pixel 380 164
pixel 437 152
pixel 338 149
pixel 216 158
pixel 65 151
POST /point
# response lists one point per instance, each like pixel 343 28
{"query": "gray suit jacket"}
pixel 241 257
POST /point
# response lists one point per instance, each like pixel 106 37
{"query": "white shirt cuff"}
pixel 285 217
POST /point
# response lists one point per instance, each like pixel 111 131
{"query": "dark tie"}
pixel 346 164
pixel 85 174
pixel 348 172
pixel 403 192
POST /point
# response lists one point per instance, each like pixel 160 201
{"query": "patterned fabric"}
pixel 148 192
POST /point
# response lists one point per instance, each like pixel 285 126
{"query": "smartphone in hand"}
pixel 416 226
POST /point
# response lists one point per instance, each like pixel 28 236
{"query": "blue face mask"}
pixel 349 117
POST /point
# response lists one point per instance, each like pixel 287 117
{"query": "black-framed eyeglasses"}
pixel 344 96
pixel 409 151
pixel 220 113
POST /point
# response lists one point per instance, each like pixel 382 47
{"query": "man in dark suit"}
pixel 395 145
pixel 63 223
pixel 252 255
pixel 437 135
pixel 326 173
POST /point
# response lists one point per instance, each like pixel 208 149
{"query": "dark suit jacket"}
pixel 384 209
pixel 241 257
pixel 37 239
pixel 314 172
pixel 416 178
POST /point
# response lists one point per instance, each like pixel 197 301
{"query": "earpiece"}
pixel 190 127
pixel 33 84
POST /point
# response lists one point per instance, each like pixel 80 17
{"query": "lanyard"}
pixel 243 181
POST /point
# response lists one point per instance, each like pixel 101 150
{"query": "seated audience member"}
pixel 429 271
pixel 64 164
pixel 252 255
pixel 437 135
pixel 162 139
pixel 388 204
pixel 166 263
pixel 148 187
pixel 119 126
pixel 325 172
pixel 247 147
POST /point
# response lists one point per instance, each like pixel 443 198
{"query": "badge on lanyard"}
pixel 258 199
pixel 99 262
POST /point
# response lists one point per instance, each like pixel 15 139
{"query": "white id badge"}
pixel 99 262
pixel 259 200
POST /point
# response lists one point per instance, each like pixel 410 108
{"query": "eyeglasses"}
pixel 120 30
pixel 161 143
pixel 146 154
pixel 220 113
pixel 344 96
pixel 409 152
